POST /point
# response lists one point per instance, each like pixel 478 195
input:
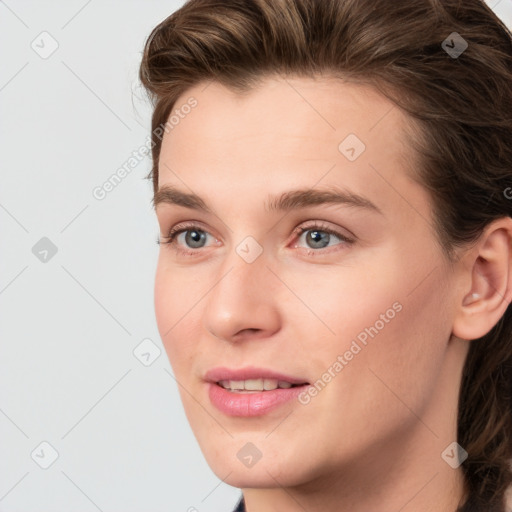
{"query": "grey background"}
pixel 71 319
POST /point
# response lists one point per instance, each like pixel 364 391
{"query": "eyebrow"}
pixel 290 200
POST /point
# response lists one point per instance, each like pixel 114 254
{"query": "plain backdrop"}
pixel 90 416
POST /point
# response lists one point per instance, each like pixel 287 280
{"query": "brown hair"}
pixel 460 109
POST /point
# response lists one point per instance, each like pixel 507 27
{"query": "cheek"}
pixel 173 301
pixel 392 372
pixel 163 301
pixel 337 304
pixel 400 342
pixel 384 316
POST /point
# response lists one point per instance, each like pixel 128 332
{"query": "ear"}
pixel 487 289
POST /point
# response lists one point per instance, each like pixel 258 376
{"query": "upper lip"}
pixel 250 372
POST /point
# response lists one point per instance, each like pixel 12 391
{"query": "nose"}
pixel 242 303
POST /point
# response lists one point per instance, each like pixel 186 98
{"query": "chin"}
pixel 253 478
pixel 265 473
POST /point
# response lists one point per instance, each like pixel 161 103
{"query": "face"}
pixel 347 299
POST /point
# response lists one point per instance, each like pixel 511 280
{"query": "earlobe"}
pixel 489 266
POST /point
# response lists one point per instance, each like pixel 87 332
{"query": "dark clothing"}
pixel 240 507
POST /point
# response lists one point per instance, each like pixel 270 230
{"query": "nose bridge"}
pixel 240 297
pixel 243 273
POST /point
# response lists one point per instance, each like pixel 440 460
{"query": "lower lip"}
pixel 253 403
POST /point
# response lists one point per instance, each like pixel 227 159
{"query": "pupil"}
pixel 316 237
pixel 194 237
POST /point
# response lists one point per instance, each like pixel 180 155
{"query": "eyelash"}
pixel 318 226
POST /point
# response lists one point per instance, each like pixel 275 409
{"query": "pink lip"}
pixel 250 372
pixel 253 403
pixel 250 404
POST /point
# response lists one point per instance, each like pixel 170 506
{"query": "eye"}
pixel 318 236
pixel 194 238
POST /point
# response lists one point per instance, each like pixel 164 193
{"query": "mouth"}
pixel 252 391
pixel 256 385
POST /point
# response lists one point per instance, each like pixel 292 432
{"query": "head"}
pixel 409 297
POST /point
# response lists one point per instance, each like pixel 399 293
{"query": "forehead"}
pixel 306 117
pixel 286 131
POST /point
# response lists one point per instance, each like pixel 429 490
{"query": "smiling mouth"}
pixel 256 385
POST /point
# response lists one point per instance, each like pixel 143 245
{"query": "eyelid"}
pixel 187 226
pixel 322 226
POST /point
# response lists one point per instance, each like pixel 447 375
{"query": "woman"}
pixel 333 185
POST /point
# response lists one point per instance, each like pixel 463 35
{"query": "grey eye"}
pixel 194 238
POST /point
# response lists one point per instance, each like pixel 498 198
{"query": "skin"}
pixel 372 438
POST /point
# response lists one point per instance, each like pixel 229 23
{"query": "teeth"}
pixel 255 384
pixel 236 384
